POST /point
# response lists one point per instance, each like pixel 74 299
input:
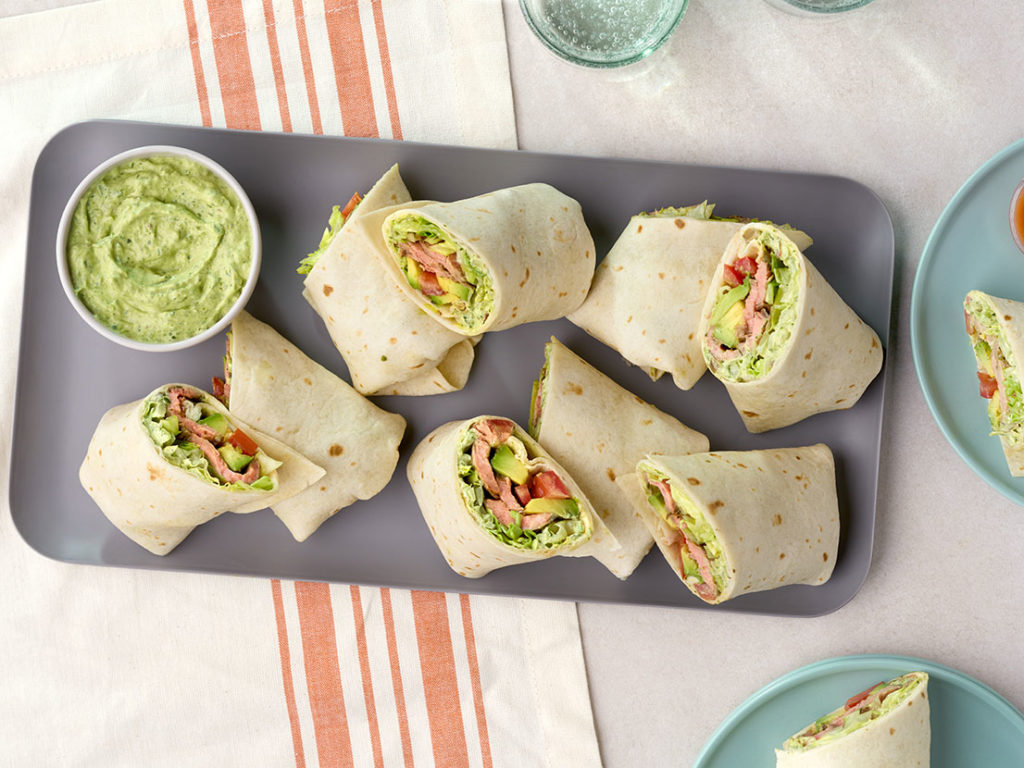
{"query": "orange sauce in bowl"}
pixel 1017 216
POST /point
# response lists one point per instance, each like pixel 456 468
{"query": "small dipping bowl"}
pixel 64 228
pixel 1017 216
pixel 603 33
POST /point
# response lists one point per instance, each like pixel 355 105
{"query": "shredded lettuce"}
pixel 539 391
pixel 334 225
pixel 1008 424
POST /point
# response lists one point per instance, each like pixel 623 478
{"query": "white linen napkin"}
pixel 116 667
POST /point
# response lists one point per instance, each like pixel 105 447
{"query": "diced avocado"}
pixel 170 424
pixel 453 287
pixel 771 292
pixel 555 507
pixel 234 458
pixel 440 300
pixel 412 273
pixel 728 299
pixel 725 331
pixel 217 422
pixel 505 463
pixel 690 567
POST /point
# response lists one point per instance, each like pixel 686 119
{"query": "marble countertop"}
pixel 910 102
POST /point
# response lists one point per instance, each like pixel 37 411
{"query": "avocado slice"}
pixel 555 507
pixel 725 331
pixel 454 288
pixel 217 422
pixel 442 300
pixel 690 567
pixel 412 273
pixel 728 299
pixel 170 424
pixel 506 463
pixel 234 458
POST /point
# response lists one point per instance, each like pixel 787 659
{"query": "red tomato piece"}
pixel 967 321
pixel 351 205
pixel 987 385
pixel 745 266
pixel 731 276
pixel 218 388
pixel 548 485
pixel 243 442
pixel 429 285
pixel 853 701
pixel 523 494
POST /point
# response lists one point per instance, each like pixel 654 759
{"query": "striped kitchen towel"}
pixel 105 667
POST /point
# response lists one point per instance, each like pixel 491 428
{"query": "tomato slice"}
pixel 351 204
pixel 967 321
pixel 243 442
pixel 853 701
pixel 745 266
pixel 429 284
pixel 732 277
pixel 987 385
pixel 548 485
pixel 522 493
pixel 218 388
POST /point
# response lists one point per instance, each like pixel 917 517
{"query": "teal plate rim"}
pixel 997 481
pixel 801 675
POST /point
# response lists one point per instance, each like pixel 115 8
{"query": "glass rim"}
pixel 605 63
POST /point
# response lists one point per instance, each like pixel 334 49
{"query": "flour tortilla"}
pixel 389 345
pixel 597 430
pixel 775 513
pixel 280 391
pixel 466 547
pixel 831 357
pixel 648 292
pixel 532 240
pixel 901 738
pixel 157 504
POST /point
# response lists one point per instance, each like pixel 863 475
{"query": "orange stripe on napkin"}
pixel 197 63
pixel 364 670
pixel 286 673
pixel 474 678
pixel 307 66
pixel 351 72
pixel 396 675
pixel 234 70
pixel 323 676
pixel 385 65
pixel 437 663
pixel 275 62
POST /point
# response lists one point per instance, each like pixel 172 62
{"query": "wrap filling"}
pixel 337 220
pixel 539 394
pixel 703 564
pixel 513 496
pixel 752 319
pixel 452 279
pixel 195 437
pixel 858 711
pixel 998 377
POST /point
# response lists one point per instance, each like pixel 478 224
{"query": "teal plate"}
pixel 972 725
pixel 970 247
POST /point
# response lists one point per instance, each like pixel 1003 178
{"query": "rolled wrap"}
pixel 466 545
pixel 996 330
pixel 900 736
pixel 648 292
pixel 529 244
pixel 157 504
pixel 389 345
pixel 597 430
pixel 279 390
pixel 774 514
pixel 823 362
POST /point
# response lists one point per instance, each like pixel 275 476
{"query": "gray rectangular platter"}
pixel 69 375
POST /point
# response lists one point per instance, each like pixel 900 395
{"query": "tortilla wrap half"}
pixel 881 730
pixel 597 430
pixel 806 352
pixel 648 292
pixel 996 330
pixel 157 504
pixel 491 262
pixel 279 390
pixel 389 345
pixel 473 540
pixel 753 520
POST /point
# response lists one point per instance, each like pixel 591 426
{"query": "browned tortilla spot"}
pixel 647 422
pixel 328 290
pixel 714 505
pixel 155 473
pixel 680 223
pixel 639 228
pixel 336 450
pixel 611 474
pixel 777 520
pixel 661 275
pixel 323 487
pixel 892 731
pixel 693 481
pixel 824 557
pixel 874 343
pixel 513 248
pixel 750 414
pixel 575 389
